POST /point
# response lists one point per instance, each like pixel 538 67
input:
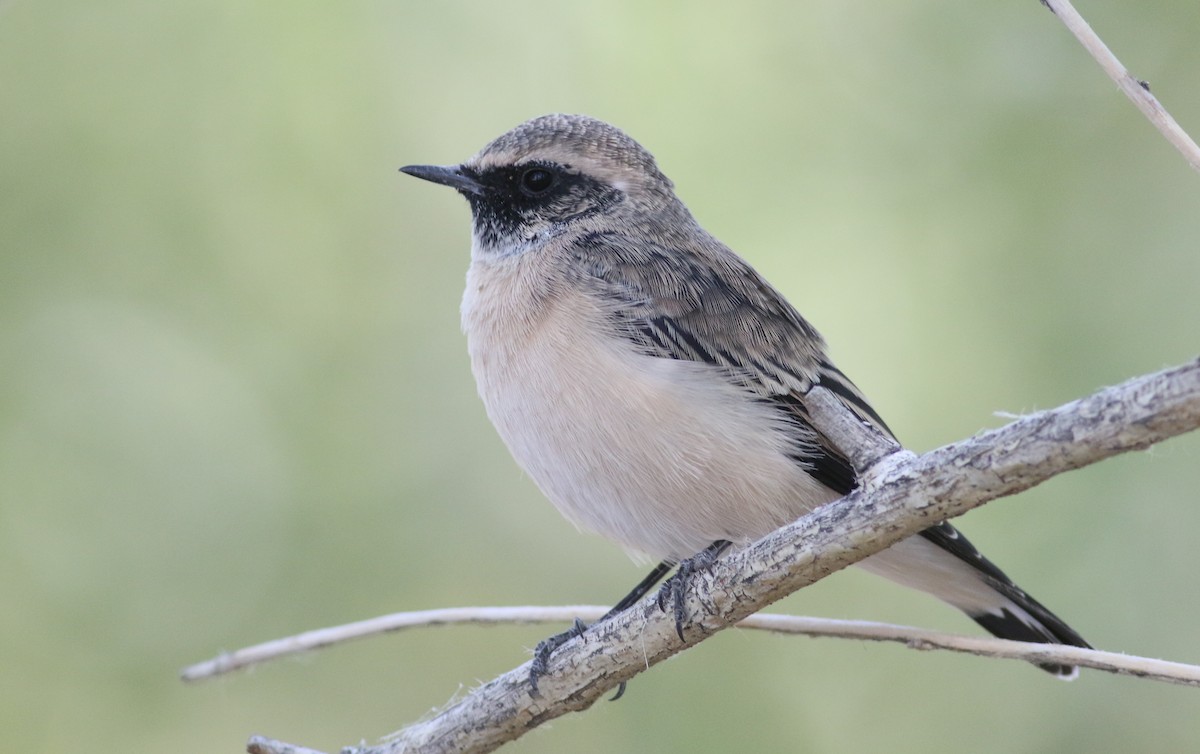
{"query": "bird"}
pixel 652 383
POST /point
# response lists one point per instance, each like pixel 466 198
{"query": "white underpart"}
pixel 660 455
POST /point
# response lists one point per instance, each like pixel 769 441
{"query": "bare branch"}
pixel 261 745
pixel 913 638
pixel 901 495
pixel 982 646
pixel 325 637
pixel 1134 88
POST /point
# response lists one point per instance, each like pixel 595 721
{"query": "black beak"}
pixel 448 175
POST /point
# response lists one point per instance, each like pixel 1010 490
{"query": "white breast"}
pixel 662 456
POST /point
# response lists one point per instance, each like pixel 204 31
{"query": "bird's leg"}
pixel 675 589
pixel 545 648
pixel 639 591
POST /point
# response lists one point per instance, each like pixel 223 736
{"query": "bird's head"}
pixel 550 175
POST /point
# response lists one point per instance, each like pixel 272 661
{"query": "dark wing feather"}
pixel 711 307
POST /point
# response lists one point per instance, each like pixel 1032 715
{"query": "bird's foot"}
pixel 674 591
pixel 545 648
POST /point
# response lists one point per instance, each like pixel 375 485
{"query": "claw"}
pixel 675 588
pixel 541 654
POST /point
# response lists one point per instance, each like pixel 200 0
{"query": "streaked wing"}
pixel 712 307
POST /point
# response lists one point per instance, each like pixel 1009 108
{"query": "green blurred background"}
pixel 235 402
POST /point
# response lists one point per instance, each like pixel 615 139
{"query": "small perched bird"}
pixel 652 383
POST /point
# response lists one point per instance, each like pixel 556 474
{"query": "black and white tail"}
pixel 943 563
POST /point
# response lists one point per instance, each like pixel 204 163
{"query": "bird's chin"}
pixel 487 247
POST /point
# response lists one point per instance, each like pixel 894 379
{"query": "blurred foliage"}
pixel 235 403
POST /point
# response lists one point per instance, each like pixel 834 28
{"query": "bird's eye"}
pixel 537 181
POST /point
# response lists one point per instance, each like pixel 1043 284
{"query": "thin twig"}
pixel 913 638
pixel 1134 88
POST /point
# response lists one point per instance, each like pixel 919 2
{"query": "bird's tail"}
pixel 943 563
pixel 1026 619
pixel 1016 615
